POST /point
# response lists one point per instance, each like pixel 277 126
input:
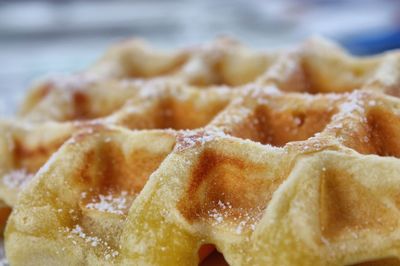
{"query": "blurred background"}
pixel 44 37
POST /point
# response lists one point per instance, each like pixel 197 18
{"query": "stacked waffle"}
pixel 155 158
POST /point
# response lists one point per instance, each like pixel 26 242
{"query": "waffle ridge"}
pixel 156 158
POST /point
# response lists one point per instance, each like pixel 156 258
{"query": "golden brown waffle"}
pixel 107 85
pixel 27 145
pixel 265 175
pixel 316 66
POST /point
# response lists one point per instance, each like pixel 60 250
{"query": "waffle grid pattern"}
pixel 273 158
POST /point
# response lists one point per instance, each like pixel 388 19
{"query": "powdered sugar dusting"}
pixel 66 82
pixel 350 113
pixel 261 93
pixel 349 107
pixel 243 219
pixel 17 178
pixel 191 138
pixel 93 241
pixel 216 216
pixel 110 203
pixel 355 104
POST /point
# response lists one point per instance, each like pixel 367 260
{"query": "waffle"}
pixel 101 89
pixel 316 66
pixel 292 164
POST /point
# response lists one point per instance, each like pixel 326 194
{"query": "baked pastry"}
pixel 263 172
pixel 25 145
pixel 323 194
pixel 123 88
pixel 316 66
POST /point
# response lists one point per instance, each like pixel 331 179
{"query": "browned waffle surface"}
pixel 316 66
pixel 213 154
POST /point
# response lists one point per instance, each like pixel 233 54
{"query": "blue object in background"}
pixel 372 42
